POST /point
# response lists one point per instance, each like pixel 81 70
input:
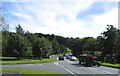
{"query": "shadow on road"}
pixel 78 65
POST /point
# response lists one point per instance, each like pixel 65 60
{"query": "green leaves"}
pixel 19 30
pixel 28 45
pixel 111 44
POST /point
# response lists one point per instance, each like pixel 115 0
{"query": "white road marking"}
pixel 65 69
pixel 55 63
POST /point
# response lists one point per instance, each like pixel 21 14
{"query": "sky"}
pixel 67 18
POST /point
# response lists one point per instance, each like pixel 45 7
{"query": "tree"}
pixel 100 43
pixel 36 45
pixel 4 40
pixel 3 25
pixel 16 44
pixel 111 39
pixel 46 48
pixel 63 49
pixel 118 47
pixel 19 30
pixel 4 35
pixel 42 47
pixel 90 44
pixel 55 46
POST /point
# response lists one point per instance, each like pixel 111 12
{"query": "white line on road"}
pixel 55 63
pixel 65 69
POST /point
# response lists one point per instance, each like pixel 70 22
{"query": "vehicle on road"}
pixel 61 58
pixel 88 60
pixel 73 58
pixel 68 57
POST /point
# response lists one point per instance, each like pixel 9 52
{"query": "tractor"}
pixel 88 60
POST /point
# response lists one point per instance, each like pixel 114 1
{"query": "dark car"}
pixel 61 58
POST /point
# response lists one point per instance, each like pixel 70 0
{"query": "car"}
pixel 73 58
pixel 61 58
pixel 68 57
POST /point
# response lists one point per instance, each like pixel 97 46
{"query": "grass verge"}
pixel 28 61
pixel 7 57
pixel 111 65
pixel 29 72
pixel 25 71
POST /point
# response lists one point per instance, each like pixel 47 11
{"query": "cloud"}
pixel 110 18
pixel 59 17
pixel 98 23
pixel 97 8
pixel 58 0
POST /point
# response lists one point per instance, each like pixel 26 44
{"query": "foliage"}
pixel 29 45
pixel 111 43
pixel 24 71
pixel 28 61
pixel 111 65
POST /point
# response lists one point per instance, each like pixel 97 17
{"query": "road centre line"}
pixel 65 69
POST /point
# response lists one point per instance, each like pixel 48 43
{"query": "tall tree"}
pixel 19 30
pixel 110 43
pixel 56 46
pixel 17 46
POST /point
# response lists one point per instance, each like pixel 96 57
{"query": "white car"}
pixel 73 58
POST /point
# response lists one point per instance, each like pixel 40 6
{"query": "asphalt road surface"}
pixel 69 68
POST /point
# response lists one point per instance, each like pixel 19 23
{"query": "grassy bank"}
pixel 111 65
pixel 29 72
pixel 25 71
pixel 28 61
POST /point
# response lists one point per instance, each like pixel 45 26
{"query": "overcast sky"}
pixel 68 18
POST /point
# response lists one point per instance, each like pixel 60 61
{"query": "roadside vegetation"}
pixel 27 61
pixel 25 45
pixel 111 65
pixel 30 72
pixel 25 71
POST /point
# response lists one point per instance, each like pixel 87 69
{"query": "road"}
pixel 69 67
